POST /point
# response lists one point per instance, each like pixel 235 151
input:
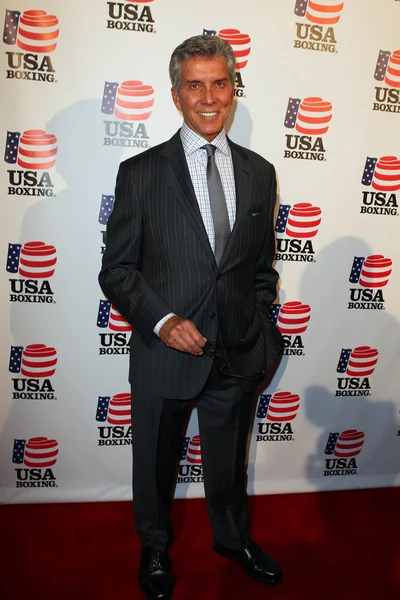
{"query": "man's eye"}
pixel 194 86
pixel 219 83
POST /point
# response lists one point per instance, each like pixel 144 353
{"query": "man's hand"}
pixel 182 334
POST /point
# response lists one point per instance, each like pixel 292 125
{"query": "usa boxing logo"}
pixel 34 33
pixel 277 413
pixel 116 338
pixel 131 102
pixel 190 468
pixel 37 365
pixel 315 28
pixel 296 226
pixel 371 274
pixel 241 46
pixel 356 365
pixel 383 176
pixel 131 15
pixel 115 413
pixel 387 71
pixel 292 319
pixel 38 455
pixel 310 118
pixel 34 263
pixel 343 447
pixel 30 154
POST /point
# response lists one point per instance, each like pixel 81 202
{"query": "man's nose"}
pixel 208 95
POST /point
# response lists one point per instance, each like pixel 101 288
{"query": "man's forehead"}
pixel 212 67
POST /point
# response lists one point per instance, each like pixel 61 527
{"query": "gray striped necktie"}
pixel 219 211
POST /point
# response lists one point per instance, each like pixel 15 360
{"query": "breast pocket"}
pixel 256 219
pixel 252 234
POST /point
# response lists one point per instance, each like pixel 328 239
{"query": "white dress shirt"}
pixel 196 158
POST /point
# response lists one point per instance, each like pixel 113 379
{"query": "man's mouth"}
pixel 207 114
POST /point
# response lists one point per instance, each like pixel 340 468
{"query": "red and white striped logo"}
pixel 322 12
pixel 283 406
pixel 117 321
pixel 293 318
pixel 393 70
pixel 387 174
pixel 303 221
pixel 134 101
pixel 314 116
pixel 119 410
pixel 241 45
pixel 375 271
pixel 362 361
pixel 37 32
pixel 37 150
pixel 37 260
pixel 349 443
pixel 40 452
pixel 194 451
pixel 38 361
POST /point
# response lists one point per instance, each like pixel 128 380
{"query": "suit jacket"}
pixel 158 259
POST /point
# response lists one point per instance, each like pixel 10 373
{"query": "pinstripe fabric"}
pixel 159 260
pixel 196 158
pixel 224 412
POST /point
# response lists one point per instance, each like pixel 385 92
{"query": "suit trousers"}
pixel 224 413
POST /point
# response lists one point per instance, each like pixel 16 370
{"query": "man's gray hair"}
pixel 201 46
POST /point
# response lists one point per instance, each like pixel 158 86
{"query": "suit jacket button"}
pixel 212 315
pixel 219 275
pixel 241 340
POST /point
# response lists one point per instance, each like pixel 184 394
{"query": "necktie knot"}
pixel 210 149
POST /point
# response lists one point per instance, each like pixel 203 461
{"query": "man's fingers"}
pixel 193 335
pixel 187 339
pixel 182 334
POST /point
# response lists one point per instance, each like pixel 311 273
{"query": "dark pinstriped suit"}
pixel 158 260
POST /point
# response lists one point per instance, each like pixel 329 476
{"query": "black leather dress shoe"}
pixel 156 579
pixel 257 563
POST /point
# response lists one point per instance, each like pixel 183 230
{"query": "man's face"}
pixel 205 95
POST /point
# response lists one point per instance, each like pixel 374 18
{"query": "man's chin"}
pixel 211 132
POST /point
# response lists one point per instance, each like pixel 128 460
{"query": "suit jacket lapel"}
pixel 178 176
pixel 243 181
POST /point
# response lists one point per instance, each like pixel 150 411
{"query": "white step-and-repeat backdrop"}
pixel 85 85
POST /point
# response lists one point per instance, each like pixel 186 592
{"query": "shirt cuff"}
pixel 161 323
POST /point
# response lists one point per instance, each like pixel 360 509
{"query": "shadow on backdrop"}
pixel 69 221
pixel 375 415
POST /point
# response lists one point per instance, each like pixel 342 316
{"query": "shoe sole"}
pixel 148 597
pixel 254 576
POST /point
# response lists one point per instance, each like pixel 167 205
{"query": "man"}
pixel 188 263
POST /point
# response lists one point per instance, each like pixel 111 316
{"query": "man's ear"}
pixel 175 99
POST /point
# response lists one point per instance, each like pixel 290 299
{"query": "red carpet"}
pixel 332 546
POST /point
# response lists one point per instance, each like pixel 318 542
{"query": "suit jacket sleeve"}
pixel 265 276
pixel 120 277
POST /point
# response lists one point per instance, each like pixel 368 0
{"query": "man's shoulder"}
pixel 151 155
